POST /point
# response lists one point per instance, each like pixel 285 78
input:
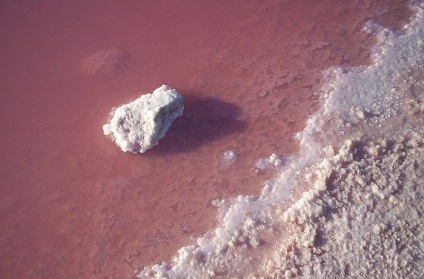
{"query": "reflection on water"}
pixel 72 204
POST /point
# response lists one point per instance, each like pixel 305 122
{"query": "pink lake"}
pixel 72 205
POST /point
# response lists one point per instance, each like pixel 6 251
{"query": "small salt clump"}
pixel 263 163
pixel 226 159
pixel 138 126
pixel 275 160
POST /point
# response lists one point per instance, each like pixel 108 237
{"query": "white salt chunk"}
pixel 275 160
pixel 229 155
pixel 138 126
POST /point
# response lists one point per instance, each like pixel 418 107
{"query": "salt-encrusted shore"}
pixel 350 204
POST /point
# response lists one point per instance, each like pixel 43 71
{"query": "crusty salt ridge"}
pixel 138 126
pixel 361 168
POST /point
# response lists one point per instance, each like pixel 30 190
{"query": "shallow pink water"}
pixel 72 205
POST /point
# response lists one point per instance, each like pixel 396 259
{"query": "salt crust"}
pixel 138 126
pixel 361 215
pixel 367 223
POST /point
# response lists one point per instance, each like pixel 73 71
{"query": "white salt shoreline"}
pixel 361 165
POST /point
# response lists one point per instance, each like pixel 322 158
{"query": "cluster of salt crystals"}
pixel 345 230
pixel 272 160
pixel 138 126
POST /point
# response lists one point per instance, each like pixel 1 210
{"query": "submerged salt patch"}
pixel 105 63
pixel 138 126
pixel 227 159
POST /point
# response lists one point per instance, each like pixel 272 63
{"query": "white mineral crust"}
pixel 138 126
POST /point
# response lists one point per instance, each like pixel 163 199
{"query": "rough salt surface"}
pixel 138 126
pixel 358 185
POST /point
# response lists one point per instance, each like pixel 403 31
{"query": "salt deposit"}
pixel 138 126
pixel 264 163
pixel 350 204
pixel 105 63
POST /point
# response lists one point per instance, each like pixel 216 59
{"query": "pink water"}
pixel 72 205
